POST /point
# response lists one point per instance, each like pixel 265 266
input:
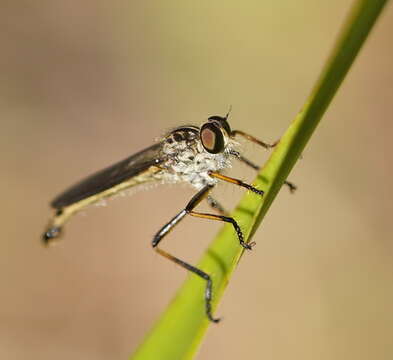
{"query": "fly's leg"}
pixel 167 228
pixel 200 273
pixel 189 210
pixel 236 182
pixel 197 199
pixel 291 186
pixel 228 219
pixel 254 140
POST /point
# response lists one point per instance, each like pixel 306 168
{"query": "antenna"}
pixel 229 111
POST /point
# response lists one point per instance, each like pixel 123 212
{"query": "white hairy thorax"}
pixel 187 160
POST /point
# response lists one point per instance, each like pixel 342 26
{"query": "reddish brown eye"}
pixel 208 139
pixel 212 138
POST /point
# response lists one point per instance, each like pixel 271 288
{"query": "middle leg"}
pixel 189 210
pixel 291 186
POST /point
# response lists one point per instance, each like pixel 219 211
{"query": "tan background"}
pixel 84 84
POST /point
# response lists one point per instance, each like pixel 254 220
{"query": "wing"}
pixel 111 176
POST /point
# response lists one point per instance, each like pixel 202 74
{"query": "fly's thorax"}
pixel 188 161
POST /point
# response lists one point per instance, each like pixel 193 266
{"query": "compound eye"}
pixel 216 117
pixel 212 138
pixel 222 121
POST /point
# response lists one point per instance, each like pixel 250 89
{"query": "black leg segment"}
pixel 236 182
pixel 202 194
pixel 291 186
pixel 202 274
pixel 227 219
pixel 167 228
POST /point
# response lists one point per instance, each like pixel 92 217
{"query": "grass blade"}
pixel 180 330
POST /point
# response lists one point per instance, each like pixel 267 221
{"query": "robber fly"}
pixel 190 154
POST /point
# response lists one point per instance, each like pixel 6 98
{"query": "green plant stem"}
pixel 180 329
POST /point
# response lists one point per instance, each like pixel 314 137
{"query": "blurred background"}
pixel 85 84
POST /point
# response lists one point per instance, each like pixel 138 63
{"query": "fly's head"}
pixel 215 134
pixel 192 152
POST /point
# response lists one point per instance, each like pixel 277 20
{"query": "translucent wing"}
pixel 132 166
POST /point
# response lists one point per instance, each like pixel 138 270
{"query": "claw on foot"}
pixel 214 320
pixel 248 246
pixel 292 187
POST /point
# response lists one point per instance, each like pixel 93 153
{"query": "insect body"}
pixel 186 154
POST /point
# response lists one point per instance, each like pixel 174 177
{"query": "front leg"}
pixel 292 187
pixel 238 182
pixel 254 139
